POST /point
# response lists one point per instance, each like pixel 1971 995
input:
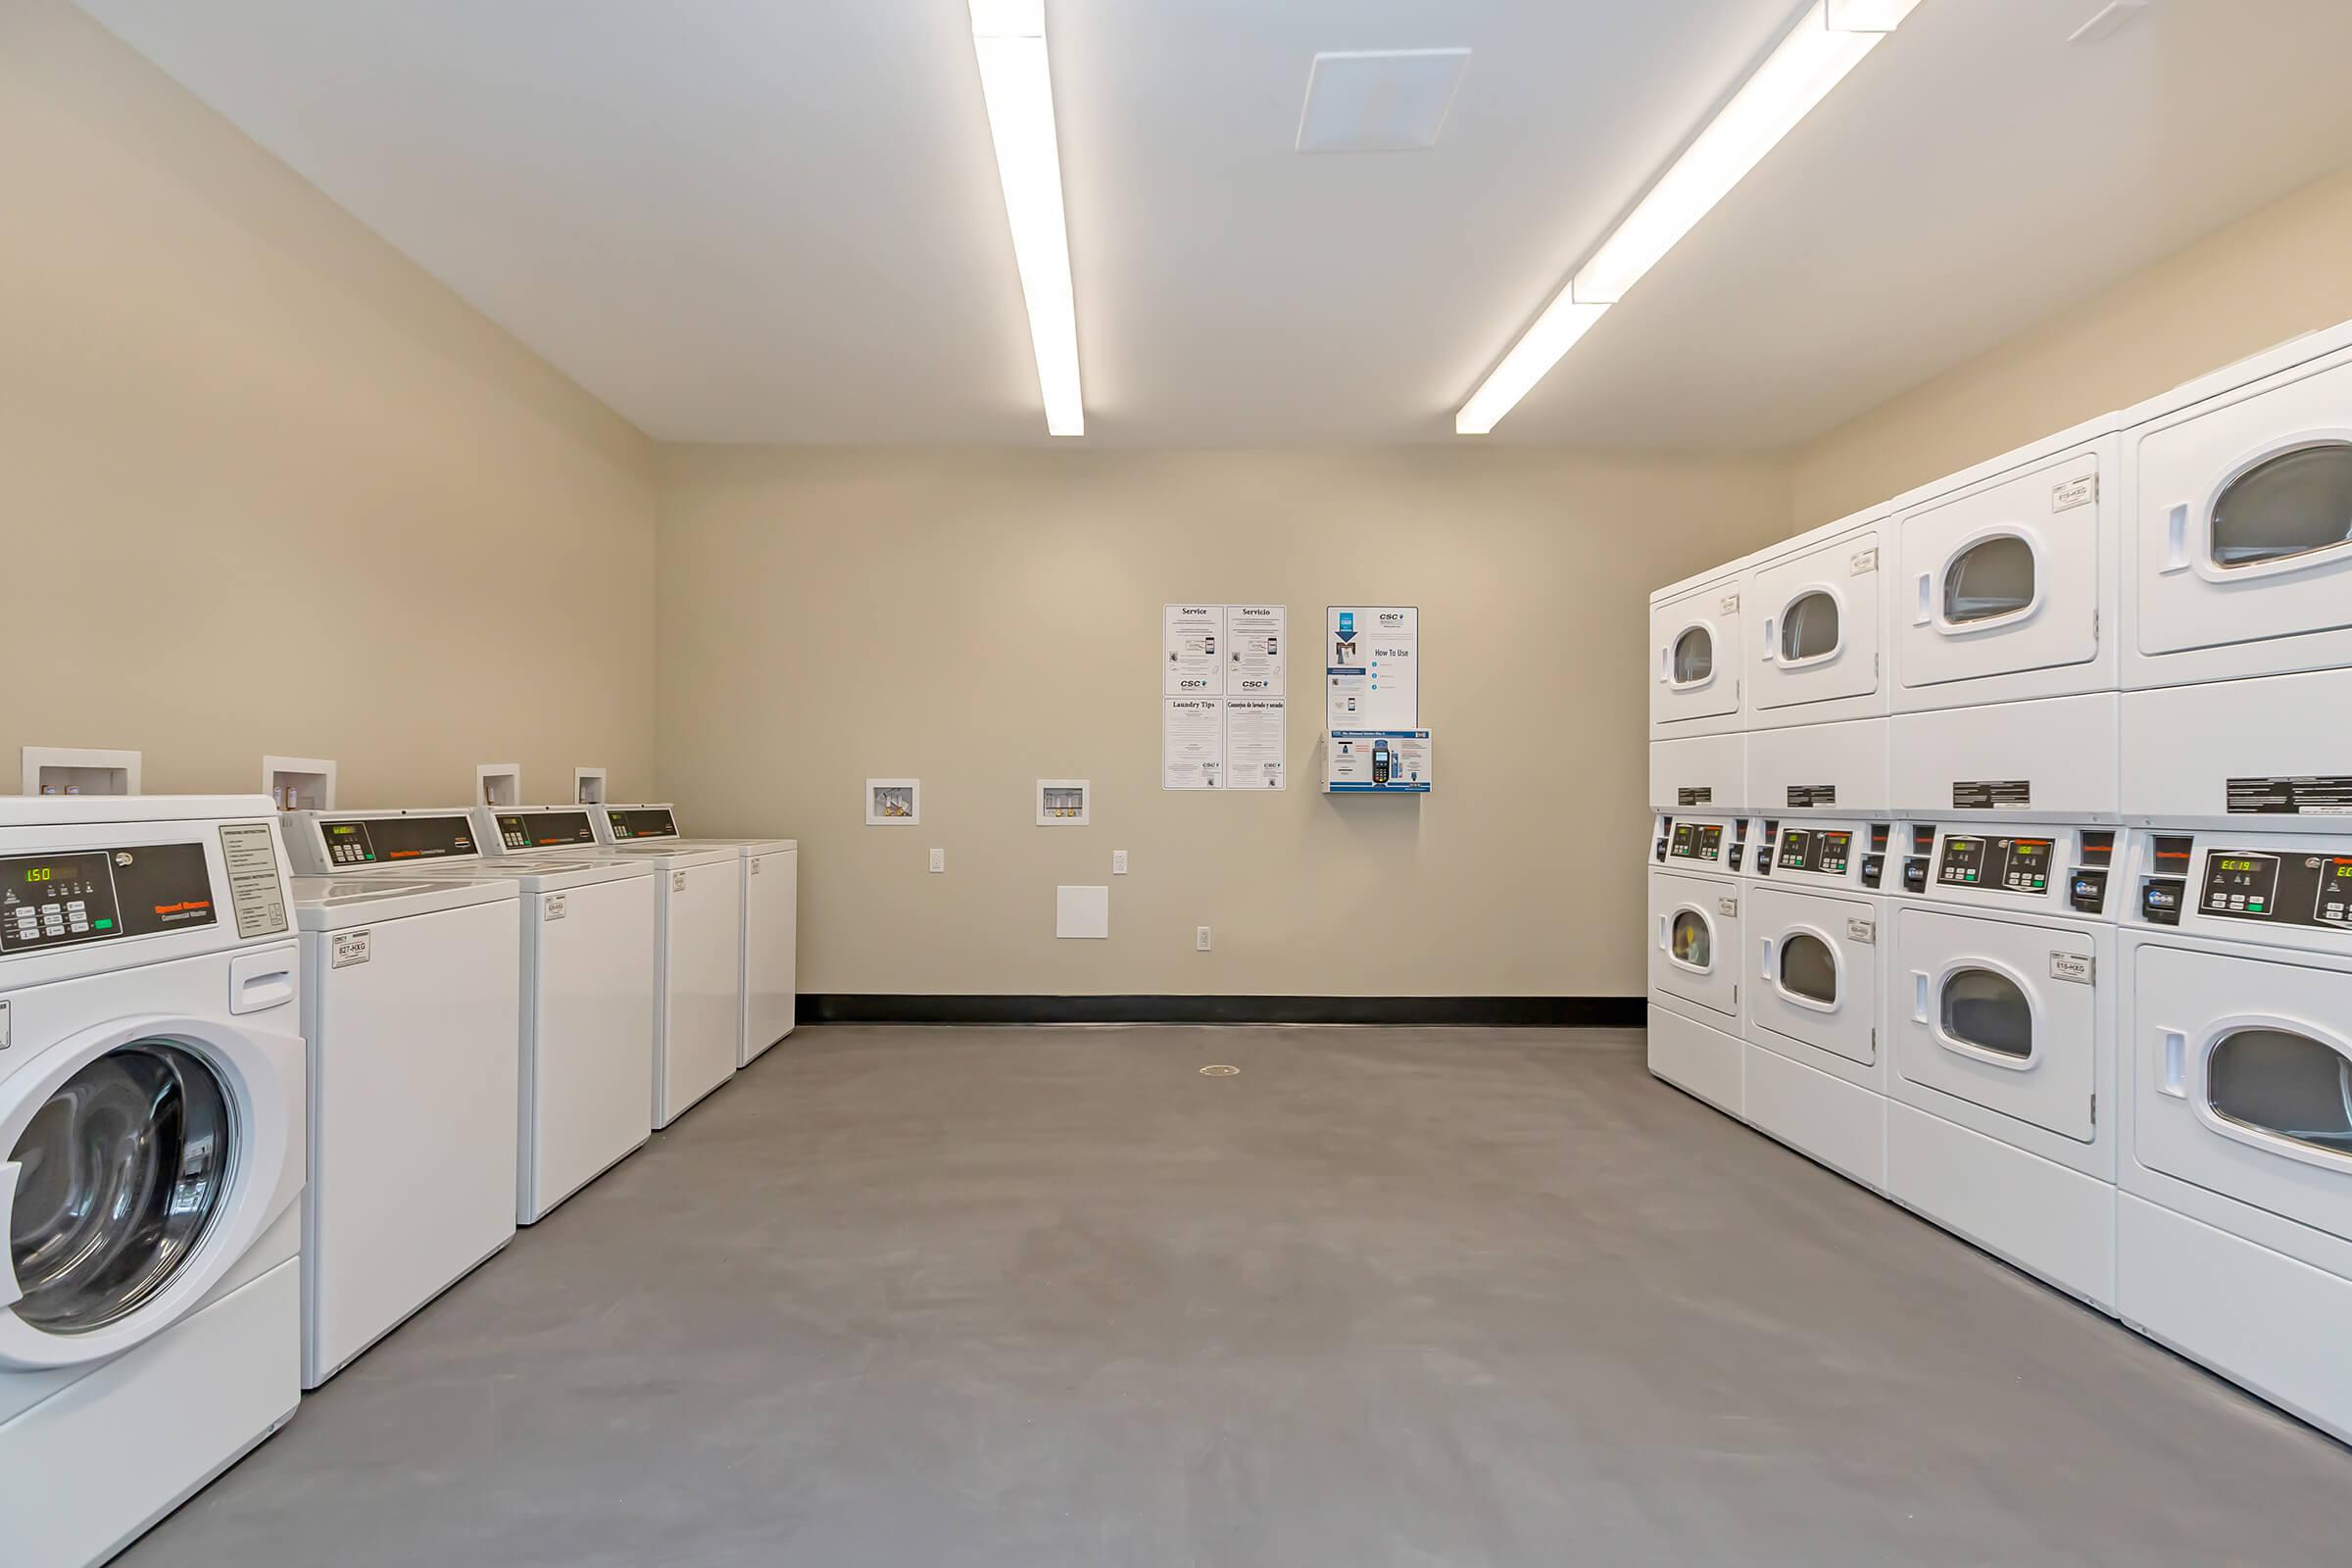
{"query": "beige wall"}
pixel 264 486
pixel 983 619
pixel 2283 270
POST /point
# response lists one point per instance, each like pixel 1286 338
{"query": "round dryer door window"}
pixel 1694 943
pixel 122 1171
pixel 1694 656
pixel 1808 968
pixel 2292 505
pixel 1987 1010
pixel 1992 578
pixel 1809 628
pixel 2284 1084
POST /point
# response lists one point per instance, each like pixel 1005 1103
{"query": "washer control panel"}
pixel 2277 889
pixel 391 839
pixel 539 830
pixel 1984 867
pixel 57 900
pixel 629 822
pixel 2012 865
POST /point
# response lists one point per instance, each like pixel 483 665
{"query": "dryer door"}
pixel 1817 616
pixel 2241 1074
pixel 1694 952
pixel 1815 975
pixel 2002 581
pixel 1693 662
pixel 2002 1013
pixel 2245 520
pixel 141 1161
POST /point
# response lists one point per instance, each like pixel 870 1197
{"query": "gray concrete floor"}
pixel 1032 1298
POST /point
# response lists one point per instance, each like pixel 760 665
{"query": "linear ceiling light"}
pixel 1827 42
pixel 1010 38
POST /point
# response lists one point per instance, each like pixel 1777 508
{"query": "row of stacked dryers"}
pixel 2003 859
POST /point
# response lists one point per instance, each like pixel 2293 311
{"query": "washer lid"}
pixel 543 875
pixel 331 903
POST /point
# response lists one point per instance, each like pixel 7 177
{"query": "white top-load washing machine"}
pixel 698 944
pixel 2003 998
pixel 1817 682
pixel 2005 635
pixel 1814 990
pixel 152 1100
pixel 1697 889
pixel 2239 580
pixel 2234 1218
pixel 585 1029
pixel 412 992
pixel 770 913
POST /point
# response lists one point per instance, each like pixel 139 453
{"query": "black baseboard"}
pixel 1490 1012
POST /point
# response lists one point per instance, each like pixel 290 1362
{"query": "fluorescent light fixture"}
pixel 1010 38
pixel 1827 42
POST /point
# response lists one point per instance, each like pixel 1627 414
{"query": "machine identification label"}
pixel 556 908
pixel 1731 605
pixel 1700 796
pixel 2075 966
pixel 2310 794
pixel 1866 561
pixel 1863 931
pixel 1987 795
pixel 677 881
pixel 350 947
pixel 755 864
pixel 1729 908
pixel 1801 796
pixel 2075 493
pixel 249 854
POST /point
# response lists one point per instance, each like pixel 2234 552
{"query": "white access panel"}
pixel 1694 945
pixel 1698 770
pixel 2007 587
pixel 770 943
pixel 1695 663
pixel 1842 768
pixel 1693 1057
pixel 2047 1218
pixel 2247 754
pixel 588 967
pixel 1840 1124
pixel 2238 542
pixel 1813 980
pixel 698 980
pixel 2005 1015
pixel 2055 757
pixel 1817 618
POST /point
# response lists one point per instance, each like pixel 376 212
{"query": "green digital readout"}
pixel 2236 866
pixel 36 874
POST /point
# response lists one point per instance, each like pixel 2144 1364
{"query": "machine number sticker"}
pixel 1863 931
pixel 1731 605
pixel 351 947
pixel 2075 493
pixel 1729 908
pixel 2075 966
pixel 556 908
pixel 1866 561
pixel 755 867
pixel 677 881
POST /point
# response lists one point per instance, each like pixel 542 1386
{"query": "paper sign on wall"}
pixel 1255 653
pixel 1192 742
pixel 1371 667
pixel 1224 676
pixel 1253 742
pixel 1189 663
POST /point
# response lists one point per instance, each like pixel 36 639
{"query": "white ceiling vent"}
pixel 1379 101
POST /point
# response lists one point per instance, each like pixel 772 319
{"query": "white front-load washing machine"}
pixel 2002 1006
pixel 1695 895
pixel 2238 535
pixel 152 1096
pixel 2235 1219
pixel 1815 1066
pixel 2004 636
pixel 771 874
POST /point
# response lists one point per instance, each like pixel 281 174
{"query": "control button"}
pixel 76 906
pixel 104 925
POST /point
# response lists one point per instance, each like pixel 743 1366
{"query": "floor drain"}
pixel 1220 1072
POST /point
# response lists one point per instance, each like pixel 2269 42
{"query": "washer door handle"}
pixel 1770 648
pixel 2176 1049
pixel 1662 919
pixel 11 1292
pixel 1926 611
pixel 1919 996
pixel 1771 968
pixel 2175 539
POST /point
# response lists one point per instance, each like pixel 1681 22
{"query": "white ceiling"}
pixel 778 220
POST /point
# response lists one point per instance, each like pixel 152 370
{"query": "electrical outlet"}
pixel 1118 862
pixel 1200 939
pixel 939 861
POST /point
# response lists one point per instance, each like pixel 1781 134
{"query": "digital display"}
pixel 2314 890
pixel 2012 865
pixel 56 901
pixel 642 822
pixel 1699 841
pixel 1796 850
pixel 533 830
pixel 380 840
pixel 1837 849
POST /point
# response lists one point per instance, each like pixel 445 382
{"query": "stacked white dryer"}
pixel 2235 1216
pixel 2045 797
